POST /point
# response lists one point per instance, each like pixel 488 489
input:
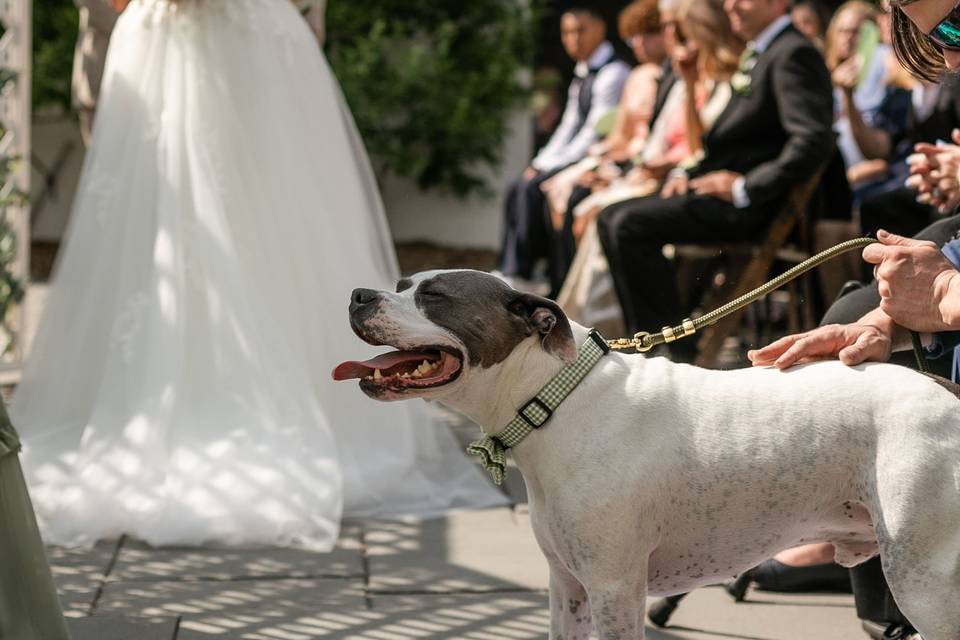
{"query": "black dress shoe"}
pixel 659 614
pixel 887 631
pixel 901 632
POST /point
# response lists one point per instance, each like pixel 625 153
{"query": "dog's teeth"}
pixel 376 374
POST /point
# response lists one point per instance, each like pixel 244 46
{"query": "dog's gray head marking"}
pixel 489 317
pixel 447 326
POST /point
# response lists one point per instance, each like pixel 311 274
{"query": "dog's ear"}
pixel 548 319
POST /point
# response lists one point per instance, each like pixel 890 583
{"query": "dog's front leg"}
pixel 569 607
pixel 619 607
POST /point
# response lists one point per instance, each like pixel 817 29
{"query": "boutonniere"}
pixel 741 79
pixel 740 82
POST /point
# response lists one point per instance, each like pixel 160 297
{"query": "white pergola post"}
pixel 15 55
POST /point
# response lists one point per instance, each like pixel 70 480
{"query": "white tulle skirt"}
pixel 179 386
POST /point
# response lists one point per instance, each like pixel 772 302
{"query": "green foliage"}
pixel 431 82
pixel 11 287
pixel 54 35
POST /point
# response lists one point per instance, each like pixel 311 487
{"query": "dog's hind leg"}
pixel 924 577
pixel 918 529
pixel 569 607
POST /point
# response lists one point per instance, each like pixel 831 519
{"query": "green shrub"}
pixel 431 82
pixel 54 35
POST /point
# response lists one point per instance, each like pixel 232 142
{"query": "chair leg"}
pixel 794 311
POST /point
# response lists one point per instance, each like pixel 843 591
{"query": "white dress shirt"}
pixel 569 143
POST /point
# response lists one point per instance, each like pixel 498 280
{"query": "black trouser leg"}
pixel 633 233
pixel 563 247
pixel 896 211
pixel 525 237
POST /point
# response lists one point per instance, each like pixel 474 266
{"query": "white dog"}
pixel 654 477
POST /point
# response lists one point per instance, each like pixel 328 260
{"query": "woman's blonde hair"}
pixel 863 9
pixel 705 22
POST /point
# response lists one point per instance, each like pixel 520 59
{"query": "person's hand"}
pixel 657 168
pixel 557 219
pixel 934 173
pixel 867 171
pixel 684 59
pixel 718 184
pixel 846 74
pixel 850 343
pixel 119 5
pixel 580 223
pixel 530 173
pixel 676 185
pixel 587 178
pixel 919 288
pixel 609 171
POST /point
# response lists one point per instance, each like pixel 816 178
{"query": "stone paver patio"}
pixel 475 575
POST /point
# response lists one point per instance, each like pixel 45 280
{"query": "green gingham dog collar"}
pixel 492 450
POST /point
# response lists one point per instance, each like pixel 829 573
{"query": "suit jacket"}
pixel 779 132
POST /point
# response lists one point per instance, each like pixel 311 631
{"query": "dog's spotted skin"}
pixel 658 478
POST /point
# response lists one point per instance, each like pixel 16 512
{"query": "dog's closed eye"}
pixel 431 294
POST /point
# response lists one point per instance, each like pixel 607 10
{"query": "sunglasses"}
pixel 946 34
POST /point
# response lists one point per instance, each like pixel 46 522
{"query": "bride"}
pixel 178 388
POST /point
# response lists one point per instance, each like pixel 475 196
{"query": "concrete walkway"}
pixel 472 574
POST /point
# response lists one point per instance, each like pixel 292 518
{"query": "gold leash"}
pixel 644 341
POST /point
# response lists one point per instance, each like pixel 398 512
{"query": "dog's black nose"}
pixel 363 297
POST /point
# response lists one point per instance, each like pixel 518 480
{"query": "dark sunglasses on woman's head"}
pixel 946 34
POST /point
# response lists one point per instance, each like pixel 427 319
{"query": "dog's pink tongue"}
pixel 356 369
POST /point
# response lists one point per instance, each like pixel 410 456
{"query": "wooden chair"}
pixel 748 266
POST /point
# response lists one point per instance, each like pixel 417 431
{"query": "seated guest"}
pixel 774 135
pixel 598 81
pixel 810 18
pixel 639 26
pixel 934 112
pixel 704 61
pixel 871 113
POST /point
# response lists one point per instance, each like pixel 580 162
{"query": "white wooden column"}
pixel 15 56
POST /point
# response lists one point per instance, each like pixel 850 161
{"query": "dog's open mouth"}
pixel 400 370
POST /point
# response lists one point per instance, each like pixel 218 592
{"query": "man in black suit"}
pixel 775 133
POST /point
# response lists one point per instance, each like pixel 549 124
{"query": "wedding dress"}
pixel 179 385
